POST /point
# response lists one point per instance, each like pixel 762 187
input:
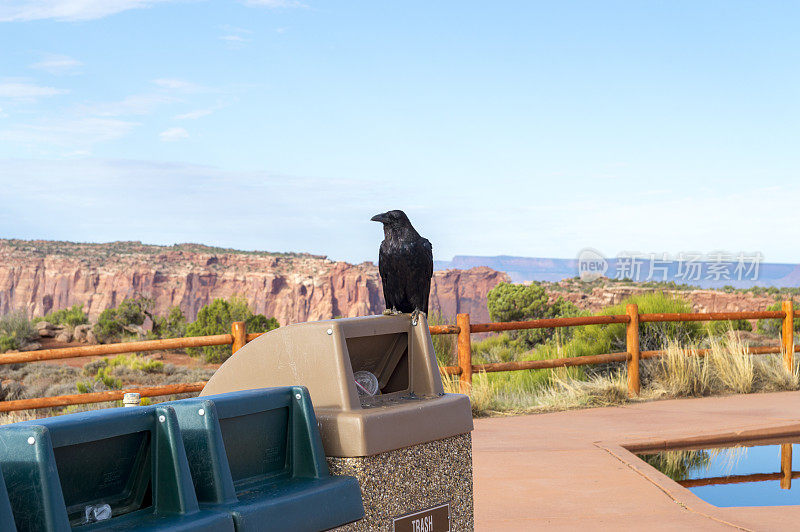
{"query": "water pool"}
pixel 739 475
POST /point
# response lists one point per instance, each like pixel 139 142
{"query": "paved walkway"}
pixel 566 471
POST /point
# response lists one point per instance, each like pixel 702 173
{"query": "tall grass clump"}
pixel 679 372
pixel 566 392
pixel 16 330
pixel 731 368
pixel 482 392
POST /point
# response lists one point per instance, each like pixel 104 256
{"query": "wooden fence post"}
pixel 786 466
pixel 632 343
pixel 239 333
pixel 464 353
pixel 787 336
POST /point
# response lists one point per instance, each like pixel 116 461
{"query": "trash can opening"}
pixel 383 355
pixel 114 471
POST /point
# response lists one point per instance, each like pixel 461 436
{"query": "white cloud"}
pixel 17 10
pixel 134 105
pixel 234 42
pixel 20 90
pixel 58 64
pixel 79 134
pixel 90 199
pixel 178 85
pixel 234 29
pixel 235 37
pixel 274 3
pixel 173 134
pixel 194 115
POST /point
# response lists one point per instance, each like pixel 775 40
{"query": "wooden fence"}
pixel 463 329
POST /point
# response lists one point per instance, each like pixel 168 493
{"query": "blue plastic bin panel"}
pixel 203 521
pixel 258 455
pixel 300 505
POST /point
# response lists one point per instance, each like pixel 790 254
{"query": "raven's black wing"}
pixel 406 269
pixel 422 268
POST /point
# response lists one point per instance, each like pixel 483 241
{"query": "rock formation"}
pixel 701 300
pixel 42 276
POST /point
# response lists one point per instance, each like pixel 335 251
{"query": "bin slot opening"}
pixel 384 355
pixel 116 471
pixel 256 446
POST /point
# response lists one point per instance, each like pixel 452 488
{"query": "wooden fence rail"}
pixel 463 329
pixel 632 355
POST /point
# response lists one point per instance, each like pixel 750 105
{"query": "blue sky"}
pixel 521 128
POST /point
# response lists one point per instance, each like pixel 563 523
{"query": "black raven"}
pixel 405 263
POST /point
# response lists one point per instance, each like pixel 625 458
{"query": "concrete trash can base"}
pixel 407 481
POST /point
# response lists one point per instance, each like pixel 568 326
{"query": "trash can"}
pixel 114 469
pixel 257 455
pixel 383 415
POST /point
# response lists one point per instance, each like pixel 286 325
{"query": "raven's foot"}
pixel 391 312
pixel 415 316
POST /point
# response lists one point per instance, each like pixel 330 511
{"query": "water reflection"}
pixel 759 475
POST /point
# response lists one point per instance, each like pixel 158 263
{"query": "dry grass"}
pixel 565 392
pixel 727 368
pixel 38 379
pixel 482 393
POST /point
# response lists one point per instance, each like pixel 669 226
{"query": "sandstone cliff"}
pixel 41 276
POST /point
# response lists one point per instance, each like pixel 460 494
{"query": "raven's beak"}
pixel 379 218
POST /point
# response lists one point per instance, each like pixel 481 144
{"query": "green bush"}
pixel 516 302
pixel 72 316
pixel 598 339
pixel 217 317
pixel 715 328
pixel 499 348
pixel 16 330
pixel 171 326
pixel 8 343
pixel 114 323
pixel 773 327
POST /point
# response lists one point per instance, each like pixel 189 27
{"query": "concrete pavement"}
pixel 570 470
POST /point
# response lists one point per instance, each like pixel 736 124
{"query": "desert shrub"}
pixel 217 317
pixel 72 316
pixel 116 323
pixel 516 302
pixel 173 325
pixel 597 339
pixel 136 362
pixel 108 325
pixel 773 327
pixel 7 343
pixel 498 348
pixel 16 330
pixel 110 373
pixel 258 323
pixel 716 328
